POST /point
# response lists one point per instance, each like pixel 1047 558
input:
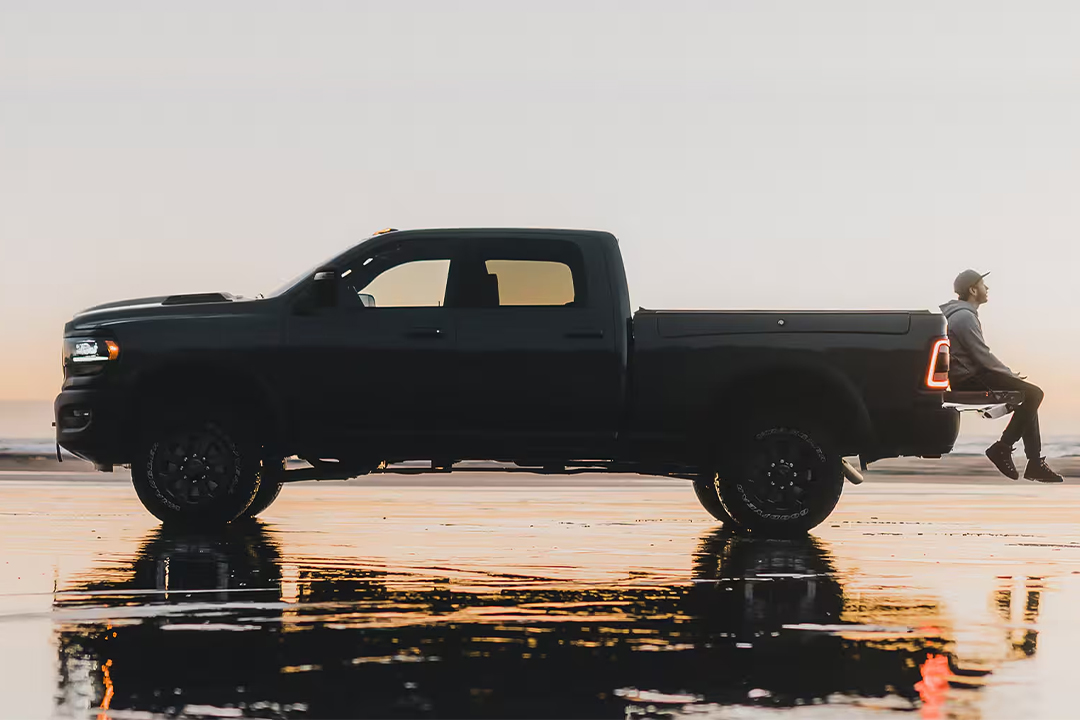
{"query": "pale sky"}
pixel 754 154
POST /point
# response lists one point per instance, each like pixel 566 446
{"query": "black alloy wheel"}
pixel 198 474
pixel 785 481
pixel 193 469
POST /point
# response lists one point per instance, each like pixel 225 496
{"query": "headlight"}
pixel 89 352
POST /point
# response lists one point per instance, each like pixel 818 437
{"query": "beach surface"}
pixel 536 596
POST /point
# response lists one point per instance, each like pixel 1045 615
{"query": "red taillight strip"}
pixel 932 383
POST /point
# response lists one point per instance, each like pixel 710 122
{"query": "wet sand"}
pixel 534 596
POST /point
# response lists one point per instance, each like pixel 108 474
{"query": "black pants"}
pixel 1025 419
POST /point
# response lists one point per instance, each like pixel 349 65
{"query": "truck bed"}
pixel 866 367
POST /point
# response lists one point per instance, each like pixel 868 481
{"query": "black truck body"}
pixel 511 345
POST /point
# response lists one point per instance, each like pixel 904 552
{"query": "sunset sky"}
pixel 754 154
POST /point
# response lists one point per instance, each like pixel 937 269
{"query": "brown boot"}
pixel 1001 455
pixel 1039 471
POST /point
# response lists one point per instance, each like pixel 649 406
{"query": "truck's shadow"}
pixel 219 620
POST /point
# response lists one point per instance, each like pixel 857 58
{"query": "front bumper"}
pixel 88 424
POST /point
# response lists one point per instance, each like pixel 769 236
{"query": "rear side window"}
pixel 532 282
pixel 522 273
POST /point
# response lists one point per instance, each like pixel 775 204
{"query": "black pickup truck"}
pixel 519 346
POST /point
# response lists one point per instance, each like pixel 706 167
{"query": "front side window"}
pixel 415 283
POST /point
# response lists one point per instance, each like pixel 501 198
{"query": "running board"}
pixel 328 471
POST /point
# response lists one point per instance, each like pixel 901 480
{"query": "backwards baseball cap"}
pixel 965 280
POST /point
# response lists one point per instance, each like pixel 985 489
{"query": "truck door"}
pixel 537 367
pixel 378 368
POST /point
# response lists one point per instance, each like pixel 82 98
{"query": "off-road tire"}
pixel 784 480
pixel 195 472
pixel 269 488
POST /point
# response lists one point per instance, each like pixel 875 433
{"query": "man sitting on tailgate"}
pixel 974 367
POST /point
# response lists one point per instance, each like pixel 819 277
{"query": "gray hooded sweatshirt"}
pixel 968 352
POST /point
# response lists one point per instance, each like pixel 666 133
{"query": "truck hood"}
pixel 197 304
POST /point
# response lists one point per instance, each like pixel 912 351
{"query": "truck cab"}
pixel 496 344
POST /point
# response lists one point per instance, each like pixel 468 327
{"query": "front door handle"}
pixel 584 334
pixel 424 332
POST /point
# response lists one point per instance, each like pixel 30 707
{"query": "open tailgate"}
pixel 988 403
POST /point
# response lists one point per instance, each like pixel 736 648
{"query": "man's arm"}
pixel 967 328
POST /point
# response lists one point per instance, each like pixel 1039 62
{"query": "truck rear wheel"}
pixel 195 473
pixel 706 488
pixel 785 480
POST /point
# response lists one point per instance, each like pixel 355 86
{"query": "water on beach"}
pixel 613 600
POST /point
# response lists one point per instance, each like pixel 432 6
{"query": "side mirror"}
pixel 368 300
pixel 324 288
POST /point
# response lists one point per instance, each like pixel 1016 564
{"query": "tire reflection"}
pixel 220 620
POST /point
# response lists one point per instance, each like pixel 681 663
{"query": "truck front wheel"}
pixel 269 488
pixel 195 473
pixel 784 481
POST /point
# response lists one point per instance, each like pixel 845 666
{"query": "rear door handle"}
pixel 424 332
pixel 584 334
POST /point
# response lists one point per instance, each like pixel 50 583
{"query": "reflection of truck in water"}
pixel 350 642
pixel 513 345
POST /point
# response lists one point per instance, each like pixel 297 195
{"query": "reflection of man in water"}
pixel 974 367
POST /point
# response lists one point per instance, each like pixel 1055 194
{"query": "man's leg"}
pixel 1025 419
pixel 1024 424
pixel 1033 439
pixel 1000 453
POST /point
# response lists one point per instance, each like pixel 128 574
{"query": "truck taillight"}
pixel 937 375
